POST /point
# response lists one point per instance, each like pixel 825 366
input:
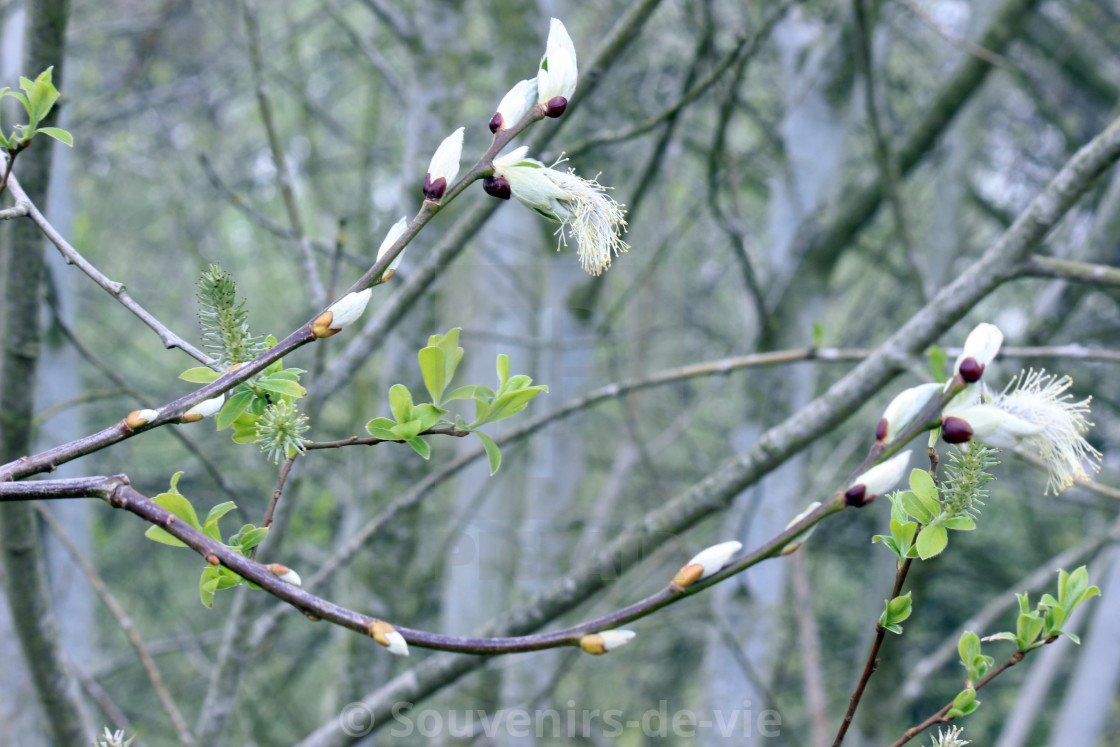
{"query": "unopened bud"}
pixel 204 409
pixel 706 563
pixel 444 166
pixel 137 418
pixel 877 480
pixel 284 573
pixel 955 430
pixel 342 313
pixel 597 644
pixel 980 349
pixel 555 106
pixel 800 539
pixel 387 636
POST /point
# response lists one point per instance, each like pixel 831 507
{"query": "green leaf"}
pixel 937 363
pixel 42 95
pixel 232 409
pixel 493 454
pixel 58 134
pixel 818 334
pixel 159 535
pixel 381 428
pixel 200 375
pixel 463 392
pixel 960 523
pixel 400 402
pixel 207 584
pixel 420 446
pixel 968 647
pixel 428 415
pixel 282 387
pixel 914 507
pixel 503 370
pixel 931 541
pixel 210 525
pixel 926 491
pixel 513 403
pixel 433 367
pixel 904 533
pixel 408 430
pixel 452 353
pixel 245 435
pixel 252 538
pixel 481 410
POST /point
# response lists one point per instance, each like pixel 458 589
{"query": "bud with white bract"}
pixel 387 636
pixel 204 409
pixel 706 563
pixel 343 312
pixel 980 349
pixel 514 105
pixel 395 232
pixel 604 641
pixel 444 166
pixel 904 408
pixel 877 480
pixel 556 77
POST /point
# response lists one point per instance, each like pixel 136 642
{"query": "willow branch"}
pixel 1040 266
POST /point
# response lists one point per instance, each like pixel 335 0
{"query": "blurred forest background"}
pixel 785 165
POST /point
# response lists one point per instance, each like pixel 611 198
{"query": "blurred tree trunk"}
pixel 20 330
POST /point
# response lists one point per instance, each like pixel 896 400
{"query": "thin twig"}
pixel 315 288
pixel 123 622
pixel 872 658
pixel 72 256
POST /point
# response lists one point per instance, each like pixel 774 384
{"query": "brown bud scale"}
pixel 955 430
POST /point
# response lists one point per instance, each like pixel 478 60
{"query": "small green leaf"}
pixel 420 446
pixel 282 387
pixel 159 535
pixel 914 507
pixel 405 431
pixel 926 490
pixel 252 538
pixel 58 134
pixel 245 435
pixel 207 584
pixel 931 541
pixel 463 392
pixel 937 359
pixel 493 454
pixel 200 375
pixel 818 334
pixel 899 608
pixel 232 409
pixel 960 523
pixel 210 525
pixel 428 415
pixel 381 428
pixel 513 402
pixel 42 95
pixel 503 370
pixel 400 402
pixel 968 647
pixel 433 367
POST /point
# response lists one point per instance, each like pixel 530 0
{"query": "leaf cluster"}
pixel 214 578
pixel 438 362
pixel 921 520
pixel 38 97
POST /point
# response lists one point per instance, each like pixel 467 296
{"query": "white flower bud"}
pixel 904 408
pixel 205 409
pixel 882 477
pixel 347 309
pixel 557 74
pixel 714 558
pixel 982 345
pixel 444 166
pixel 515 105
pixel 387 636
pixel 607 640
pixel 395 232
pixel 284 573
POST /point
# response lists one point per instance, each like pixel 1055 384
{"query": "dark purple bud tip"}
pixel 555 106
pixel 971 370
pixel 496 123
pixel 855 497
pixel 497 186
pixel 434 190
pixel 955 430
pixel 882 430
